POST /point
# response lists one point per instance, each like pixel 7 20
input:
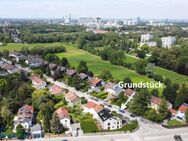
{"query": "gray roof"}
pixel 104 114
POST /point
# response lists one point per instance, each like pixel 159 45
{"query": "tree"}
pixel 64 62
pixel 139 105
pixel 141 54
pixel 6 115
pixel 23 76
pixel 56 126
pixel 20 132
pixel 182 96
pixel 155 92
pixel 106 75
pixel 141 66
pixel 3 85
pixel 170 92
pixel 127 81
pixel 152 114
pixel 163 109
pixel 82 67
pixel 182 65
pixel 150 70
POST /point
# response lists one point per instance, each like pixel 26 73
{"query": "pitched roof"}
pixel 71 96
pixel 172 111
pixel 52 65
pixel 70 72
pixel 62 113
pixel 183 108
pixel 93 105
pixel 36 79
pixel 155 100
pixel 94 81
pixel 8 66
pixel 105 114
pixel 56 89
pixel 83 75
pixel 25 113
pixel 129 92
pixel 109 85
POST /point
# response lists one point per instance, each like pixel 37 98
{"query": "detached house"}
pixel 113 89
pixel 70 72
pixel 93 109
pixel 52 67
pixel 37 82
pixel 25 117
pixel 107 121
pixel 95 82
pixel 64 117
pixel 56 90
pixel 129 92
pixel 181 111
pixel 72 99
pixel 17 56
pixel 83 76
pixel 155 103
pixel 10 68
pixel 34 61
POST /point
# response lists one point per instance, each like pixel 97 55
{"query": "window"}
pixel 108 124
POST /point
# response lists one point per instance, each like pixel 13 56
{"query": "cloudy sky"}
pixel 172 9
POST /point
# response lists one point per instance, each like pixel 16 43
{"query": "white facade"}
pixel 65 122
pixel 146 38
pixel 111 124
pixel 150 44
pixel 167 42
pixel 91 111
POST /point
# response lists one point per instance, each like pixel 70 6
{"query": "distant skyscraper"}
pixel 68 18
pixel 138 20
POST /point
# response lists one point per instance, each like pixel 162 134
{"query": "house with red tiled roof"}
pixel 129 92
pixel 64 117
pixel 156 101
pixel 181 111
pixel 95 82
pixel 25 117
pixel 72 99
pixel 37 82
pixel 92 108
pixel 56 90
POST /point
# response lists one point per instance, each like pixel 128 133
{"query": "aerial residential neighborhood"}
pixel 96 70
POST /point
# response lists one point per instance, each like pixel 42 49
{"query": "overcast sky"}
pixel 172 9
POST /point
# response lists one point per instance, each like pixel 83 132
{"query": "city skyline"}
pixel 147 9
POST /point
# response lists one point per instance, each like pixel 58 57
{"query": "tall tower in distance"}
pixel 68 19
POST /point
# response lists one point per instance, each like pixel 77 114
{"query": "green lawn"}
pixel 101 95
pixel 89 126
pixel 174 122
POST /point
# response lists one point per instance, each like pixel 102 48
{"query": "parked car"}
pixel 178 138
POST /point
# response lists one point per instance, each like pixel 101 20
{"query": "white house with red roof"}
pixel 64 117
pixel 25 117
pixel 93 109
pixel 56 90
pixel 72 99
pixel 37 82
pixel 181 111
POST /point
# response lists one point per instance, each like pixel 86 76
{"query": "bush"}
pixel 158 78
